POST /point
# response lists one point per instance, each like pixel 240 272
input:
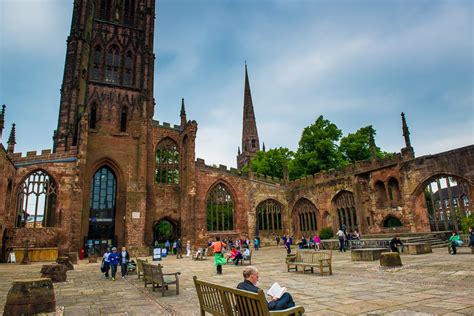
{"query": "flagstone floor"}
pixel 430 284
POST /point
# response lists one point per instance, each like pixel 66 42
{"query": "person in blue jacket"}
pixel 114 258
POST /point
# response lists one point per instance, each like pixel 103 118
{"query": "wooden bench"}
pixel 202 254
pixel 226 301
pixel 309 260
pixel 153 274
pixel 140 263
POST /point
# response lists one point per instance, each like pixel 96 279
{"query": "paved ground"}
pixel 431 284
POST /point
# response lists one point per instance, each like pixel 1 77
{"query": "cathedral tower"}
pixel 250 142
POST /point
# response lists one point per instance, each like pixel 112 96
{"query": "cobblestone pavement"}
pixel 430 284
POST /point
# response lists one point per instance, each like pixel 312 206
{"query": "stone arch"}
pixel 345 208
pixel 37 193
pixel 391 221
pixel 166 228
pixel 380 194
pixel 220 207
pixel 305 218
pixel 444 198
pixel 269 216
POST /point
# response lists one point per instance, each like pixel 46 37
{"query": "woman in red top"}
pixel 219 259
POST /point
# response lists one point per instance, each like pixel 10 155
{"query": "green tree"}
pixel 271 162
pixel 317 149
pixel 355 147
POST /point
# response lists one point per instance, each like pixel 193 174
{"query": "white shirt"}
pixel 340 233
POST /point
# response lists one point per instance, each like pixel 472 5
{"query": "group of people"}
pixel 112 259
pixel 344 237
pixel 455 240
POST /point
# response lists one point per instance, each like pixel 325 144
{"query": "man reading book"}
pixel 251 276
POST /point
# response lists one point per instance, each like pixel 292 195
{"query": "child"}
pixel 114 260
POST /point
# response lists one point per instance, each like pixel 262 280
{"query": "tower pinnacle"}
pixel 12 140
pixel 183 114
pixel 408 151
pixel 2 120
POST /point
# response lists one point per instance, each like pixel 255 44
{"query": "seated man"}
pixel 394 242
pixel 246 253
pixel 251 276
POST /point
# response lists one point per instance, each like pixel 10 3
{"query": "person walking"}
pixel 179 249
pixel 106 263
pixel 167 246
pixel 340 236
pixel 219 259
pixel 277 239
pixel 124 259
pixel 256 243
pixel 114 258
pixel 175 245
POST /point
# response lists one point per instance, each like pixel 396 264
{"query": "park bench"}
pixel 226 301
pixel 202 255
pixel 309 260
pixel 153 274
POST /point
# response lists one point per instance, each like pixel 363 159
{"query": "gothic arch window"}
pixel 113 63
pixel 129 12
pixel 344 204
pixel 123 119
pixel 254 144
pixel 220 209
pixel 93 116
pixel 394 192
pixel 37 201
pixel 392 221
pixel 380 194
pixel 105 9
pixel 305 218
pixel 128 71
pixel 102 204
pixel 167 162
pixel 97 63
pixel 269 216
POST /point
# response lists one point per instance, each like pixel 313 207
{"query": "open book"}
pixel 276 290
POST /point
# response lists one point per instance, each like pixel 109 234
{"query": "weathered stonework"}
pixel 94 132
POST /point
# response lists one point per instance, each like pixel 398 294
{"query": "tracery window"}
pixel 113 62
pixel 128 73
pixel 394 192
pixel 344 204
pixel 269 216
pixel 97 63
pixel 129 12
pixel 105 9
pixel 102 204
pixel 167 162
pixel 37 201
pixel 305 217
pixel 380 194
pixel 220 209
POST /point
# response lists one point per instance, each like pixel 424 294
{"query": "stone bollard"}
pixel 92 259
pixel 30 297
pixel 72 257
pixel 390 259
pixel 56 272
pixel 65 261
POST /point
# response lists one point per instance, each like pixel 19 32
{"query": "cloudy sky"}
pixel 355 62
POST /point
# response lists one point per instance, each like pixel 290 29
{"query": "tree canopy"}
pixel 271 162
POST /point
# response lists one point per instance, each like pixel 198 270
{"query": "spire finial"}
pixel 2 120
pixel 408 151
pixel 183 114
pixel 238 150
pixel 263 146
pixel 12 140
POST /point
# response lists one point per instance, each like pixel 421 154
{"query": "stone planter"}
pixel 56 272
pixel 417 248
pixel 390 259
pixel 30 297
pixel 92 259
pixel 368 254
pixel 66 262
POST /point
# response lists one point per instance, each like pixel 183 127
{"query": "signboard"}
pixel 164 252
pixel 156 254
pixel 11 257
pixel 135 215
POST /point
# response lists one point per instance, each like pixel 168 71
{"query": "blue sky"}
pixel 355 62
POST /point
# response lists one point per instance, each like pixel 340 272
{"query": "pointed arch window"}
pixel 269 216
pixel 97 63
pixel 167 162
pixel 220 209
pixel 37 201
pixel 129 12
pixel 305 217
pixel 123 120
pixel 344 203
pixel 128 73
pixel 113 62
pixel 93 116
pixel 105 9
pixel 102 204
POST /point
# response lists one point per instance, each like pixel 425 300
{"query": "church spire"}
pixel 250 142
pixel 12 140
pixel 408 151
pixel 183 114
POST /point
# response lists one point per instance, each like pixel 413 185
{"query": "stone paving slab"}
pixel 429 284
